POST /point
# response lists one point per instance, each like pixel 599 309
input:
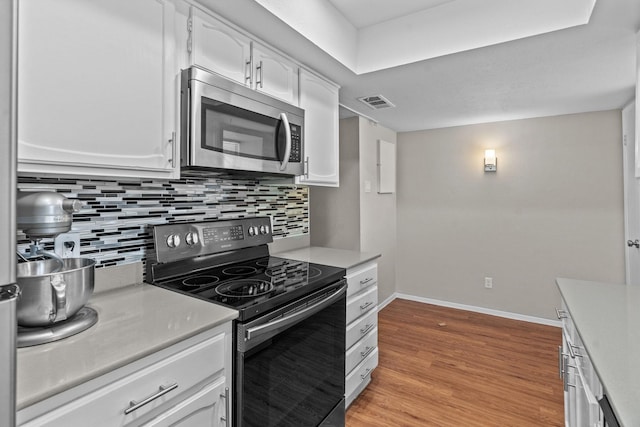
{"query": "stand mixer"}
pixel 44 214
pixel 53 290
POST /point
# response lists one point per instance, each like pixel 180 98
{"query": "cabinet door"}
pixel 164 385
pixel 319 99
pixel 206 408
pixel 96 87
pixel 274 74
pixel 219 48
pixel 568 370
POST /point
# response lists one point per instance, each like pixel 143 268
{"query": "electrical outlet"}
pixel 488 282
pixel 67 245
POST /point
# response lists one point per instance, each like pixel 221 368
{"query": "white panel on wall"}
pixel 637 140
pixel 386 167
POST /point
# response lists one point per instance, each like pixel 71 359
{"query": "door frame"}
pixel 631 160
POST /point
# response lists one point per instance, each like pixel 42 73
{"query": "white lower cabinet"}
pixel 362 328
pixel 582 387
pixel 205 408
pixel 187 385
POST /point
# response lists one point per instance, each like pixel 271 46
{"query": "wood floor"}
pixel 445 367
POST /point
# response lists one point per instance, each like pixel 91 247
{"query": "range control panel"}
pixel 187 240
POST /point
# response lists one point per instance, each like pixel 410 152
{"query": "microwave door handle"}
pixel 287 150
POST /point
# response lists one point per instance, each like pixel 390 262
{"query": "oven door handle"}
pixel 294 318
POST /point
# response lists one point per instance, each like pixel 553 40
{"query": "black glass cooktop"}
pixel 255 286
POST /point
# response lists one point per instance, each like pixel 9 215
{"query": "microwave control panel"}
pixel 296 146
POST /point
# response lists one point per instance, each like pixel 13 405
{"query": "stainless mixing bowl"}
pixel 51 291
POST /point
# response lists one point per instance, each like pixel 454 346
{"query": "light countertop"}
pixel 133 322
pixel 607 317
pixel 328 256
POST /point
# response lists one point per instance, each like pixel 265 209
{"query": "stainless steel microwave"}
pixel 225 125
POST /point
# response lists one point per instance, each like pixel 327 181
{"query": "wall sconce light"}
pixel 490 161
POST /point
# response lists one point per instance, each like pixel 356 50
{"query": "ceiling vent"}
pixel 377 102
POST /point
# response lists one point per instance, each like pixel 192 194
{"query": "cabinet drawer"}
pixel 178 374
pixel 360 328
pixel 362 278
pixel 587 407
pixel 205 408
pixel 361 373
pixel 361 350
pixel 361 304
pixel 587 370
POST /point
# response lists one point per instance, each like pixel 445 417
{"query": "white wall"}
pixel 553 209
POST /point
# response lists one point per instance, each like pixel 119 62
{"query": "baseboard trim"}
pixel 386 302
pixel 483 310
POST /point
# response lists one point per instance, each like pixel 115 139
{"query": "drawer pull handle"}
pixel 363 376
pixel 562 314
pixel 366 329
pixel 365 281
pixel 225 396
pixel 366 352
pixel 367 305
pixel 162 390
pixel 560 362
pixel 576 352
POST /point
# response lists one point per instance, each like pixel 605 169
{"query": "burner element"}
pixel 313 273
pixel 239 270
pixel 247 288
pixel 197 281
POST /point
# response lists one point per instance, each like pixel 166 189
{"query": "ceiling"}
pixel 364 13
pixel 450 62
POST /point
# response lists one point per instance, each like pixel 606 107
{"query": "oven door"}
pixel 290 364
pixel 233 127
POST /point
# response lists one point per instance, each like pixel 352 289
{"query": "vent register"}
pixel 377 102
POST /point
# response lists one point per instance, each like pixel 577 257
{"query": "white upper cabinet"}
pixel 97 88
pixel 216 47
pixel 319 99
pixel 274 74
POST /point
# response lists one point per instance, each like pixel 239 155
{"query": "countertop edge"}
pixel 342 258
pixel 593 339
pixel 160 331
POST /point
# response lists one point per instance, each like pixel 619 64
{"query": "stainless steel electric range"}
pixel 289 337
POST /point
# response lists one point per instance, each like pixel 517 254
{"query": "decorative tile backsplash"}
pixel 114 223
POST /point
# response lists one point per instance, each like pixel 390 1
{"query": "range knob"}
pixel 252 231
pixel 173 240
pixel 264 229
pixel 191 238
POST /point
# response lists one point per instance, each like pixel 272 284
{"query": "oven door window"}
pixel 233 130
pixel 297 377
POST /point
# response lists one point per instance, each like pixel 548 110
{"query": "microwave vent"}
pixel 377 102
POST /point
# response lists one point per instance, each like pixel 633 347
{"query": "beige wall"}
pixel 553 209
pixel 350 218
pixel 334 213
pixel 377 211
